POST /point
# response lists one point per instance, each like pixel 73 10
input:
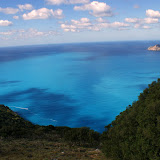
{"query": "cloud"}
pixel 15 17
pixel 101 20
pixel 132 20
pixel 153 14
pixel 6 33
pixel 9 10
pixel 5 23
pixel 25 7
pixel 84 24
pixel 58 2
pixel 55 2
pixel 137 25
pixel 140 23
pixel 115 25
pixel 82 21
pixel 97 9
pixel 78 1
pixel 43 13
pixel 76 26
pixel 151 20
pixel 25 34
pixel 146 27
pixel 141 26
pixel 118 24
pixel 34 33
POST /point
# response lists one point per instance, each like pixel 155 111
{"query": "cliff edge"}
pixel 154 48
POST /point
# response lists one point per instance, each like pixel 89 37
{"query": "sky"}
pixel 32 22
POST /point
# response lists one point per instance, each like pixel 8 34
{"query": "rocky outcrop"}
pixel 154 48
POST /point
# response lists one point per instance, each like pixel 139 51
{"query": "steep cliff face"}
pixel 154 48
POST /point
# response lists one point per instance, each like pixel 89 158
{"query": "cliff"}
pixel 154 48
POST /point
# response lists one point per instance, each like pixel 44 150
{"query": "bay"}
pixel 76 85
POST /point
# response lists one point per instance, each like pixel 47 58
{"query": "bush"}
pixel 135 133
pixel 12 125
pixel 80 136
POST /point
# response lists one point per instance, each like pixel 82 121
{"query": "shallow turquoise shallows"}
pixel 76 85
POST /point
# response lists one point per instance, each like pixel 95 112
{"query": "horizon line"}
pixel 69 43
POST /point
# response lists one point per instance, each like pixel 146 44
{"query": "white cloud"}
pixel 25 7
pixel 101 20
pixel 25 34
pixel 145 23
pixel 151 20
pixel 8 33
pixel 146 27
pixel 132 20
pixel 153 14
pixel 97 9
pixel 141 26
pixel 58 2
pixel 78 1
pixel 34 33
pixel 43 13
pixel 82 21
pixel 116 25
pixel 5 23
pixel 76 26
pixel 119 24
pixel 9 10
pixel 55 2
pixel 140 23
pixel 15 17
pixel 137 25
pixel 84 24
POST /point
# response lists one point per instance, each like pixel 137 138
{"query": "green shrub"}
pixel 135 133
pixel 12 125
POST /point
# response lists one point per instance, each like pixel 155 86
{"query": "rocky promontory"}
pixel 154 48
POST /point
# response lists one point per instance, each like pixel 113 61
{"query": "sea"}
pixel 76 85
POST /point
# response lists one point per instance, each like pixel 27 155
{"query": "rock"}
pixel 154 48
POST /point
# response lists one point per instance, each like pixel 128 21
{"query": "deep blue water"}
pixel 76 85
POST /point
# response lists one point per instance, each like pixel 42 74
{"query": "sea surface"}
pixel 76 85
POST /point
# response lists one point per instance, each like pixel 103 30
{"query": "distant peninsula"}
pixel 154 48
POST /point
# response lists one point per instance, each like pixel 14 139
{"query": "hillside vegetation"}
pixel 21 140
pixel 135 133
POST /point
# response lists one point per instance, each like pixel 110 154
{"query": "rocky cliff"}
pixel 154 48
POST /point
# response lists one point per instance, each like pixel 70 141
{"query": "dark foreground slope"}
pixel 135 134
pixel 22 140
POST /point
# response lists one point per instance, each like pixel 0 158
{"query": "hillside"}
pixel 135 134
pixel 22 140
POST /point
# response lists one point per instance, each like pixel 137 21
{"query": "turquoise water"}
pixel 75 85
